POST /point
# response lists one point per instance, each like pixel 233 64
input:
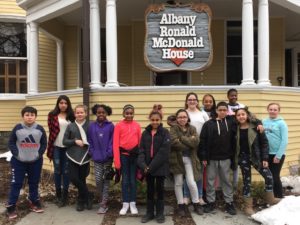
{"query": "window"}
pixel 171 78
pixel 234 68
pixel 13 61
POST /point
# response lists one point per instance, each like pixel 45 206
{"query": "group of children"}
pixel 201 148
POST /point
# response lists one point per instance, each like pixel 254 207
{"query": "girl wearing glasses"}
pixel 197 119
pixel 127 135
pixel 184 161
pixel 153 160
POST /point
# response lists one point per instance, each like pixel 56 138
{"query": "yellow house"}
pixel 256 49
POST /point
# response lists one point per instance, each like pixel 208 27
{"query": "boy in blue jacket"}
pixel 27 143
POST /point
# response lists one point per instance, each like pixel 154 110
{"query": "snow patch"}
pixel 286 212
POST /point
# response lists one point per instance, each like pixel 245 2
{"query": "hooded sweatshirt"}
pixel 127 135
pixel 28 144
pixel 100 138
pixel 277 134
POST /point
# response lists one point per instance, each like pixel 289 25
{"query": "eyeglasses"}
pixel 192 100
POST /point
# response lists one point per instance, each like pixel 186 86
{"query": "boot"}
pixel 186 209
pixel 58 197
pixel 89 200
pixel 64 199
pixel 149 213
pixel 160 206
pixel 198 208
pixel 270 199
pixel 80 205
pixel 181 210
pixel 248 206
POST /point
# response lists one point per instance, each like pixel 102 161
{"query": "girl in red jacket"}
pixel 127 135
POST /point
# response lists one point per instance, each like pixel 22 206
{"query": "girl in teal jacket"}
pixel 277 134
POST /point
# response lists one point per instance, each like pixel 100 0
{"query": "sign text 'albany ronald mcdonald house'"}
pixel 178 37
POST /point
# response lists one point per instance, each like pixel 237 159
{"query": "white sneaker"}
pixel 124 209
pixel 133 208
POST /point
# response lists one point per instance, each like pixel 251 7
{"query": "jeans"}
pixel 128 170
pixel 77 175
pixel 60 162
pixel 186 191
pixel 189 176
pixel 18 171
pixel 275 169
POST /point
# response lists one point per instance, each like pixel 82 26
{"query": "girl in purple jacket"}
pixel 100 138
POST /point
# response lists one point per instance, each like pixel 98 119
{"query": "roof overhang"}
pixel 293 5
pixel 42 10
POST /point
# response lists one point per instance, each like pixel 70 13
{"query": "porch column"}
pixel 263 43
pixel 60 64
pixel 111 44
pixel 33 58
pixel 247 43
pixel 95 57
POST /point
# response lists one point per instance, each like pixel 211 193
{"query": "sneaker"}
pixel 102 209
pixel 124 209
pixel 36 207
pixel 198 208
pixel 210 208
pixel 201 201
pixel 133 208
pixel 229 208
pixel 11 212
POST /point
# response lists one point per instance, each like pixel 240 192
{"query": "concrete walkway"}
pixel 68 215
pixel 65 215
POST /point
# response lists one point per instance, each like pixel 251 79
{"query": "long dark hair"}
pixel 70 113
pixel 249 114
pixel 213 113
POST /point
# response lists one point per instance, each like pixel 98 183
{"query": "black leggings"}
pixel 155 185
pixel 245 165
pixel 77 175
pixel 275 169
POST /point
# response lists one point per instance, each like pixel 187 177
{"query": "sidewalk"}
pixel 68 215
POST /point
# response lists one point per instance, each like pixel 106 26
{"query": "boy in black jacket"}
pixel 216 151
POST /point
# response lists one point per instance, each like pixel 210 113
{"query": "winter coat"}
pixel 77 154
pixel 258 146
pixel 182 141
pixel 212 134
pixel 100 138
pixel 159 164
